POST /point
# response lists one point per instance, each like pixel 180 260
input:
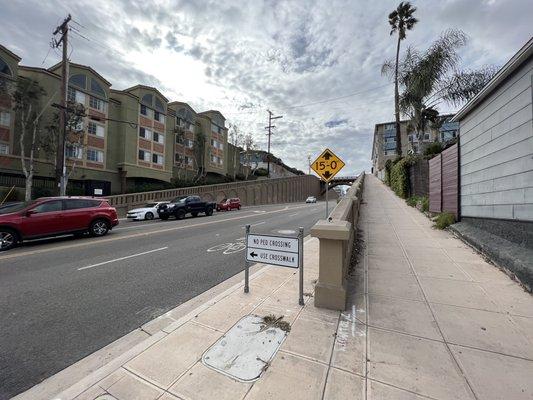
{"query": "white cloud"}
pixel 244 57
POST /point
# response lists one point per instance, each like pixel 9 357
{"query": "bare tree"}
pixel 236 138
pixel 249 146
pixel 26 104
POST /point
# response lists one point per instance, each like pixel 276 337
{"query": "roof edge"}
pixel 508 68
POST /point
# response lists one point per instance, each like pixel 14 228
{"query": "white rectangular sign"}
pixel 283 258
pixel 275 243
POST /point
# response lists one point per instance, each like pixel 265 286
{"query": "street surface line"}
pixel 134 235
pixel 123 258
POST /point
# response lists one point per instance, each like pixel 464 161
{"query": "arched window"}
pixel 159 105
pixel 4 68
pixel 97 89
pixel 148 99
pixel 78 80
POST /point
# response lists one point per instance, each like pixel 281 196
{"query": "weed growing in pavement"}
pixel 271 321
pixel 444 220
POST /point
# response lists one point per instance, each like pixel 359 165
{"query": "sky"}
pixel 315 62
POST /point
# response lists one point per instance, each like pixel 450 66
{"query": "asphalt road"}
pixel 62 299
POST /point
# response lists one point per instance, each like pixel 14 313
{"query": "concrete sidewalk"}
pixel 427 318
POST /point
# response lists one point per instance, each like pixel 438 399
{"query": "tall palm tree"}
pixel 401 20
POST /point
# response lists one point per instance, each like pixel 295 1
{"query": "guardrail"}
pixel 337 236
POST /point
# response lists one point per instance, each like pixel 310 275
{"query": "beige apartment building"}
pixel 128 137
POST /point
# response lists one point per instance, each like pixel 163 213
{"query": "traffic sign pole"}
pixel 327 202
pixel 301 264
pixel 246 271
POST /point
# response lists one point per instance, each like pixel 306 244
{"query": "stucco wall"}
pixel 496 152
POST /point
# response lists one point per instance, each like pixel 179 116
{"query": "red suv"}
pixel 229 204
pixel 52 216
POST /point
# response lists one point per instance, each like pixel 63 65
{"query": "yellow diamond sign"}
pixel 327 165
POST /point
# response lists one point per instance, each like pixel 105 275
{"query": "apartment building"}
pixel 8 75
pixel 126 137
pixel 384 143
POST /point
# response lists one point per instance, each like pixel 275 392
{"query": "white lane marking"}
pixel 292 215
pixel 122 258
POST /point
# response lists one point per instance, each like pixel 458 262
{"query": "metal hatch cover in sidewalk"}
pixel 245 351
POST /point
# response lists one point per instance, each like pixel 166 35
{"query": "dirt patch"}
pixel 271 321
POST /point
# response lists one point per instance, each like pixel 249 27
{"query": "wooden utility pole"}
pixel 270 127
pixel 61 140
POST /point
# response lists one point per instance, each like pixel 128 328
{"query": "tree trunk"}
pixel 397 102
pixel 29 186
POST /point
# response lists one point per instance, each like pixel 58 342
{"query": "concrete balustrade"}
pixel 261 191
pixel 337 236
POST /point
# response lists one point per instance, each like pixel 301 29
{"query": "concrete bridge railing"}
pixel 261 191
pixel 337 236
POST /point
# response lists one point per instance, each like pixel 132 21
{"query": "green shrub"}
pixel 444 220
pixel 425 204
pixel 261 172
pixel 433 148
pixel 412 201
pixel 399 178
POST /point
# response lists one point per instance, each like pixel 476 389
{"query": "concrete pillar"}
pixel 330 290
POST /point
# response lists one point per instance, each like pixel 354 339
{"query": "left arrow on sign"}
pixel 253 254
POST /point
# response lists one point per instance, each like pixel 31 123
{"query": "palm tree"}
pixel 432 77
pixel 401 20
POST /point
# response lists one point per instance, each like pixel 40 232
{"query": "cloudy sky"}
pixel 316 62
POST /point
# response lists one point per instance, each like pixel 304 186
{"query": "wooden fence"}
pixel 444 181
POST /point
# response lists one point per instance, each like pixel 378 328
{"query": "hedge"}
pixel 399 178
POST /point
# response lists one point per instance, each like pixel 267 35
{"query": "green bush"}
pixel 412 201
pixel 433 148
pixel 399 177
pixel 444 220
pixel 261 172
pixel 388 166
pixel 425 204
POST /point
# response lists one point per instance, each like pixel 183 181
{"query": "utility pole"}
pixel 309 163
pixel 270 127
pixel 61 142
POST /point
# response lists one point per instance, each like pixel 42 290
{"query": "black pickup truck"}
pixel 183 205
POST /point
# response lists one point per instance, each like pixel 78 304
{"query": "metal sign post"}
pixel 327 201
pixel 246 270
pixel 284 251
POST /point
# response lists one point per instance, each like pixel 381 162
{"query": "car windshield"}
pixel 14 207
pixel 180 199
pixel 150 205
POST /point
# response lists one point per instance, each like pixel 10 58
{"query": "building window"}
pixel 97 104
pixel 144 155
pixel 96 88
pixel 143 110
pixel 75 96
pixel 189 143
pixel 188 161
pixel 95 129
pixel 389 127
pixel 5 118
pixel 217 145
pixel 73 152
pixel 159 117
pixel 157 159
pixel 159 137
pixel 145 133
pixel 426 137
pixel 95 155
pixel 216 159
pixel 4 148
pixel 4 68
pixel 78 80
pixel 159 105
pixel 217 129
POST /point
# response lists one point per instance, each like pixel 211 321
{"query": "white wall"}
pixel 496 152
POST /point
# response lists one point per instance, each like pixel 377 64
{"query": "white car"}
pixel 149 211
pixel 311 199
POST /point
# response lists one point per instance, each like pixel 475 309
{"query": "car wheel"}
pixel 209 211
pixel 239 207
pixel 163 217
pixel 149 215
pixel 99 227
pixel 8 239
pixel 194 214
pixel 180 214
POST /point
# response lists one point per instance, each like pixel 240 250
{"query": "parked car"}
pixel 148 211
pixel 53 216
pixel 181 206
pixel 229 204
pixel 311 199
